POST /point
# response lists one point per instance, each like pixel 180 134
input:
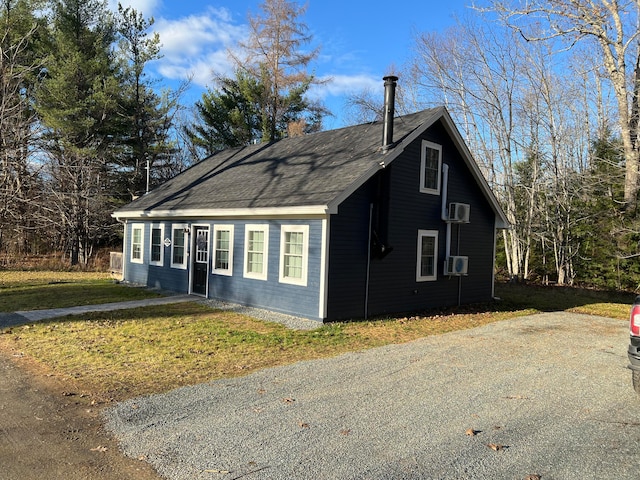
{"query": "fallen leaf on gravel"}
pixel 262 391
pixel 99 448
pixel 345 431
pixel 471 432
pixel 496 446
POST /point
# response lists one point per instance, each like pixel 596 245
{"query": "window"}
pixel 430 166
pixel 157 247
pixel 223 249
pixel 256 243
pixel 137 239
pixel 427 269
pixel 178 250
pixel 293 254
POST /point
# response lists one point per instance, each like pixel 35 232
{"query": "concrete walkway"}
pixel 27 316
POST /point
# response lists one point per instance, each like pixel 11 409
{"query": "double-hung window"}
pixel 157 247
pixel 223 249
pixel 137 242
pixel 256 244
pixel 294 241
pixel 430 167
pixel 427 256
pixel 178 246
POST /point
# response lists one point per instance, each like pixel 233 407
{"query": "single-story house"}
pixel 380 218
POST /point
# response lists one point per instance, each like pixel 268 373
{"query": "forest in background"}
pixel 546 95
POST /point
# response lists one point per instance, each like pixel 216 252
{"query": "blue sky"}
pixel 359 41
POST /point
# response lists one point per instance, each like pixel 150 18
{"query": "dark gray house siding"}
pixel 399 214
pixel 348 255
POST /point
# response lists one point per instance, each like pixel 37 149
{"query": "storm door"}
pixel 200 260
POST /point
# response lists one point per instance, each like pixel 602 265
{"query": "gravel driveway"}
pixel 550 393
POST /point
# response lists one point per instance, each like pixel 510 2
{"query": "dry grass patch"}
pixel 125 353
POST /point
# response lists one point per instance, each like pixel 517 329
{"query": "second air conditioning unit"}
pixel 459 212
pixel 456 265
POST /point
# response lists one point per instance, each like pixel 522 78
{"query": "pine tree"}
pixel 228 116
pixel 145 117
pixel 76 104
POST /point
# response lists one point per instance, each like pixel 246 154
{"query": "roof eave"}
pixel 198 213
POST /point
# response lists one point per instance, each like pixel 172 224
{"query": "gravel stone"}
pixel 294 323
pixel 547 395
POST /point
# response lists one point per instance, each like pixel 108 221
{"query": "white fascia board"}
pixel 267 212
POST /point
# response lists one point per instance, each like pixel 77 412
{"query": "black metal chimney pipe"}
pixel 389 110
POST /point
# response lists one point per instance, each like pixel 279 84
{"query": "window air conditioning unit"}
pixel 459 212
pixel 456 265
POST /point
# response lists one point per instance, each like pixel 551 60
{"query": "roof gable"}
pixel 308 174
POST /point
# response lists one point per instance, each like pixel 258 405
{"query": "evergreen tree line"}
pixel 84 129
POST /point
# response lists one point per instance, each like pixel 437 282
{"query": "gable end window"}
pixel 294 241
pixel 427 256
pixel 137 242
pixel 430 168
pixel 256 244
pixel 223 249
pixel 157 247
pixel 178 243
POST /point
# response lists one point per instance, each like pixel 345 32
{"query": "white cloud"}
pixel 341 85
pixel 196 46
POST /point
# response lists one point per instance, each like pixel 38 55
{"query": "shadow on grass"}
pixel 537 298
pixel 555 298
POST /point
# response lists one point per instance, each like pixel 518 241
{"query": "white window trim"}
pixel 160 262
pixel 423 156
pixel 216 229
pixel 184 228
pixel 304 229
pixel 135 226
pixel 261 228
pixel 419 276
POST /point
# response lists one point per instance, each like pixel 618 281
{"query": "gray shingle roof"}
pixel 295 175
pixel 294 172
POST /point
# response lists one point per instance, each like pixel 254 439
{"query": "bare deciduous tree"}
pixel 520 116
pixel 18 69
pixel 609 25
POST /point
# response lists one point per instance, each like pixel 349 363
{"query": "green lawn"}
pixel 35 290
pixel 120 354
